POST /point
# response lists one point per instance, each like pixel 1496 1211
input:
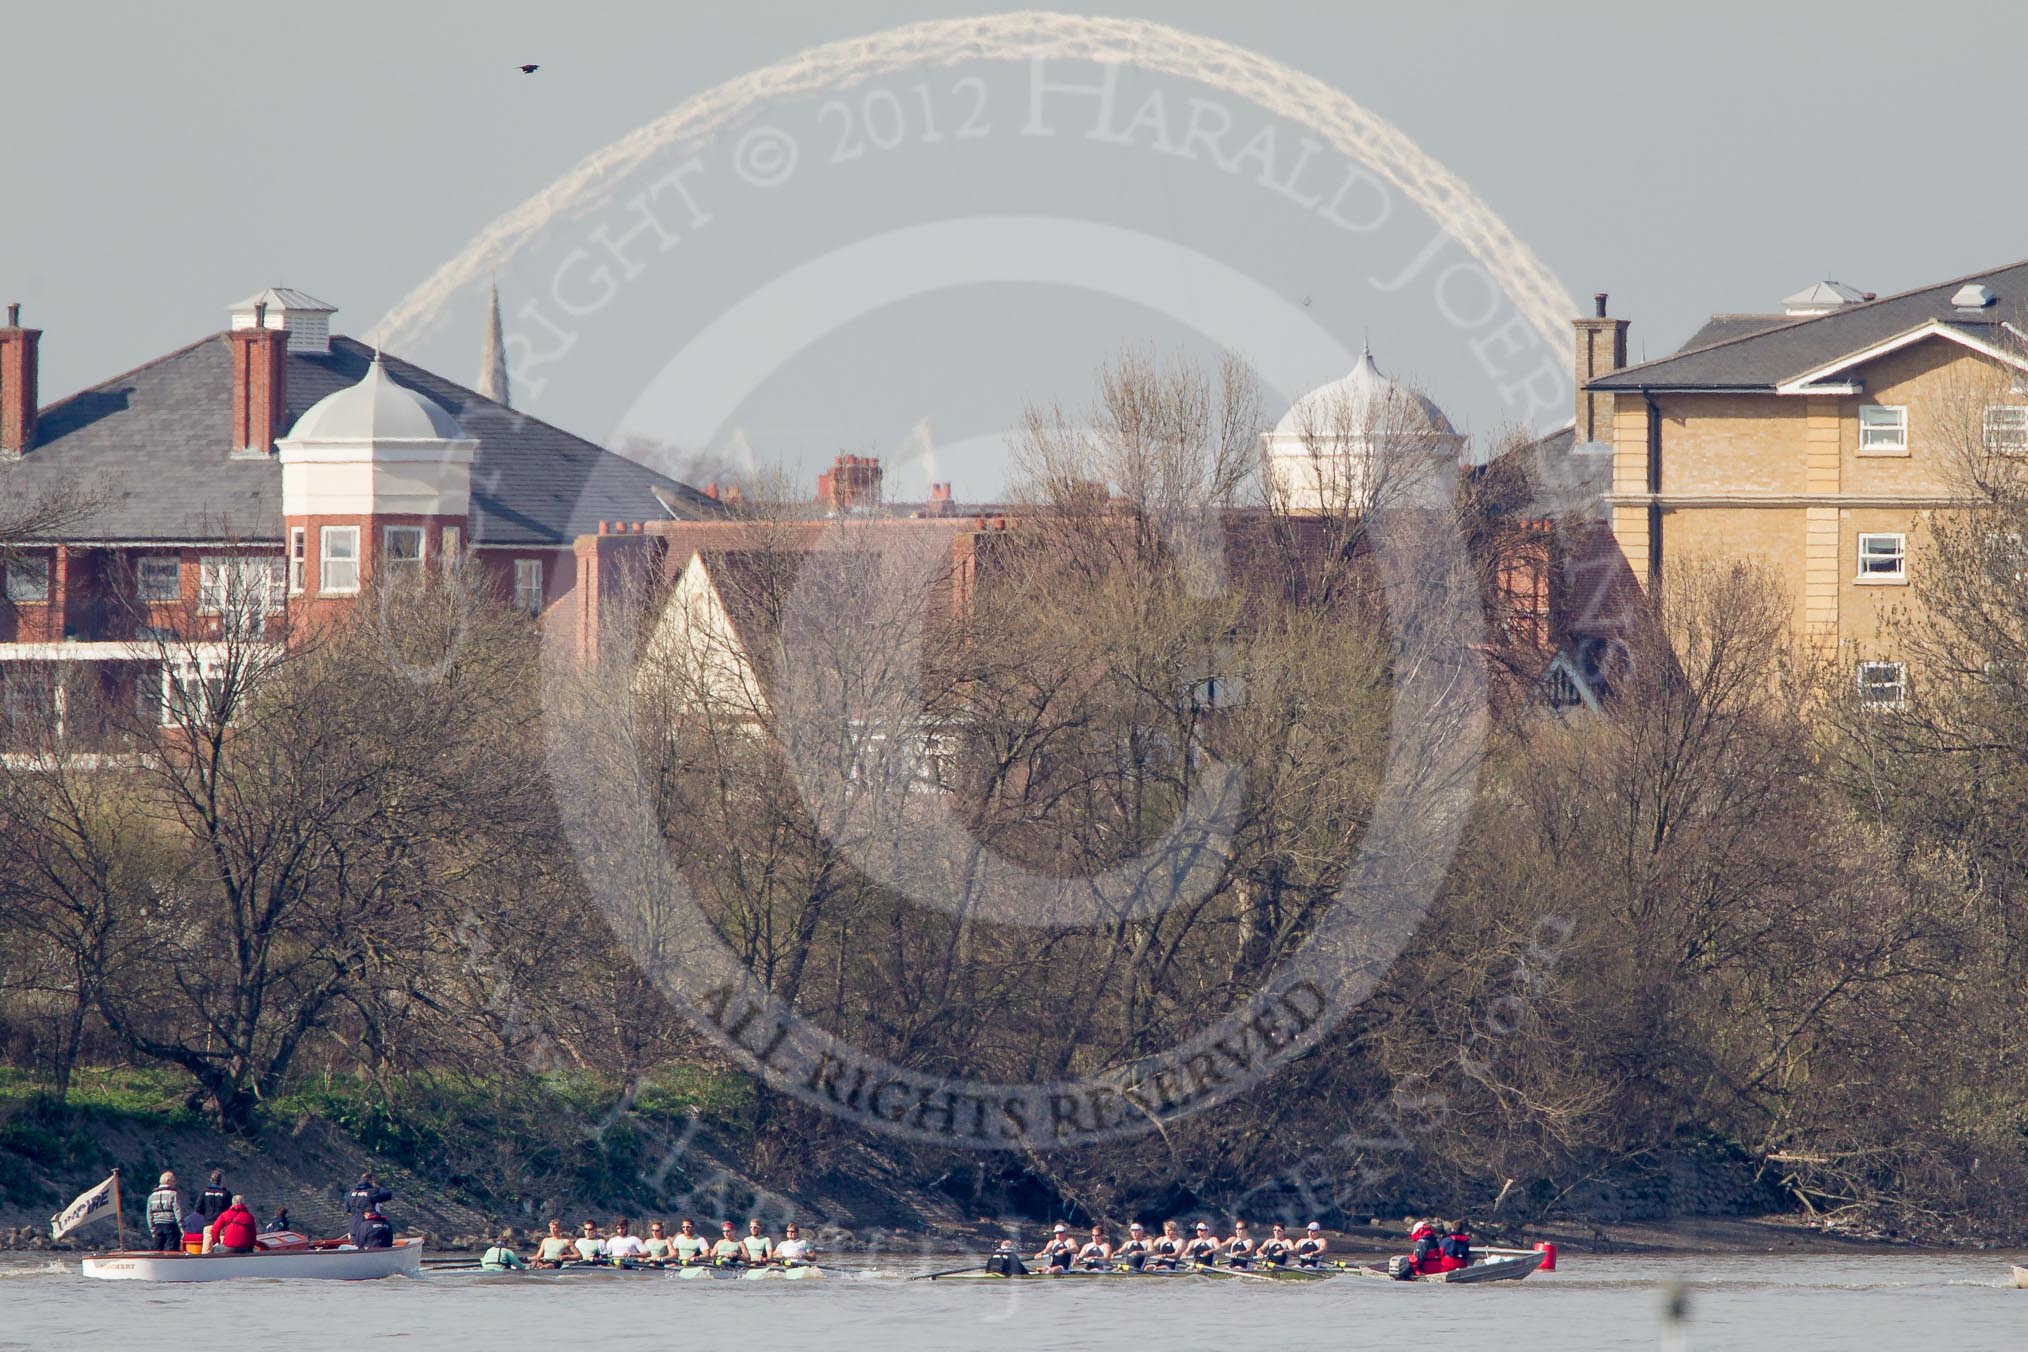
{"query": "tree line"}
pixel 1744 911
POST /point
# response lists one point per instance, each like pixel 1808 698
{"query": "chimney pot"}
pixel 14 314
pixel 260 314
pixel 1598 301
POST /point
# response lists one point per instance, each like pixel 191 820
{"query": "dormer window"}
pixel 1883 429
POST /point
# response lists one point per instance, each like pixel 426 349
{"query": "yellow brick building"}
pixel 1821 440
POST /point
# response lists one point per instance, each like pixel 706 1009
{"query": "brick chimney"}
pixel 851 484
pixel 260 385
pixel 1601 350
pixel 17 384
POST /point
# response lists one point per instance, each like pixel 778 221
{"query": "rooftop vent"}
pixel 1974 296
pixel 1821 298
pixel 307 319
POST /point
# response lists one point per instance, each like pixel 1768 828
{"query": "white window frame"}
pixel 200 676
pixel 143 591
pixel 214 570
pixel 299 559
pixel 1880 434
pixel 344 579
pixel 451 544
pixel 389 534
pixel 528 586
pixel 1896 551
pixel 19 589
pixel 1882 684
pixel 2006 434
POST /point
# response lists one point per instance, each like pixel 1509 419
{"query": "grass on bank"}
pixel 494 1140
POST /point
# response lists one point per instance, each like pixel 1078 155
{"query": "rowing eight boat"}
pixel 694 1272
pixel 1508 1266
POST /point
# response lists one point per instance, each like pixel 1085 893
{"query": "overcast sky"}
pixel 162 161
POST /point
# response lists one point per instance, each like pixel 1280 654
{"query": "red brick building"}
pixel 278 461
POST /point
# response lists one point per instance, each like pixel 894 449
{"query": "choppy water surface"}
pixel 1836 1302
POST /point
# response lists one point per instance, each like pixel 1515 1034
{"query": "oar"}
pixel 1235 1272
pixel 952 1272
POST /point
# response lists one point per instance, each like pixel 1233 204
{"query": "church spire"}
pixel 493 356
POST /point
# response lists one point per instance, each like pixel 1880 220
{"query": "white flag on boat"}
pixel 87 1208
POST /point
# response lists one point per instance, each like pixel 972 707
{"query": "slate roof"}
pixel 1565 481
pixel 1721 328
pixel 155 442
pixel 1761 359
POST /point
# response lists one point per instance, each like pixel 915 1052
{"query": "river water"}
pixel 1794 1304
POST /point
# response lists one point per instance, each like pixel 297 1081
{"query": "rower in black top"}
pixel 1310 1252
pixel 1060 1251
pixel 1239 1249
pixel 1097 1254
pixel 1202 1250
pixel 1168 1250
pixel 1277 1249
pixel 1134 1251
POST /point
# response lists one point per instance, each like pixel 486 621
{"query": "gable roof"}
pixel 1721 328
pixel 156 443
pixel 1763 359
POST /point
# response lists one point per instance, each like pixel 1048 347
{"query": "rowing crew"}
pixel 685 1248
pixel 1171 1250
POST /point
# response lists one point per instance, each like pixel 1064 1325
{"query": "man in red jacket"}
pixel 235 1229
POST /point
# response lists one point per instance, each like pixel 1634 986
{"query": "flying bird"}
pixel 530 70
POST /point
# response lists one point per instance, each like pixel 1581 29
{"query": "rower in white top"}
pixel 759 1248
pixel 794 1250
pixel 624 1246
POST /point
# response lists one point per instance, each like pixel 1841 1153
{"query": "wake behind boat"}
pixel 285 1256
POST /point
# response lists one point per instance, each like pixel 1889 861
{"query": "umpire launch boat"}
pixel 281 1255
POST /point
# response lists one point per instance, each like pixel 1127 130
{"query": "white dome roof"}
pixel 377 409
pixel 1360 403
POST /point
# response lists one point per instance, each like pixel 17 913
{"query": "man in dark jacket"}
pixel 375 1232
pixel 362 1199
pixel 212 1202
